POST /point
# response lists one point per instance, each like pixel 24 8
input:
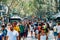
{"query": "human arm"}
pixel 6 37
pixel 18 36
pixel 2 38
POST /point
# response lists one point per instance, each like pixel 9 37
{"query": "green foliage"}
pixel 4 1
pixel 0 0
pixel 29 7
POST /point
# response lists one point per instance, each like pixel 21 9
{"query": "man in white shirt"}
pixel 12 34
pixel 55 32
pixel 58 28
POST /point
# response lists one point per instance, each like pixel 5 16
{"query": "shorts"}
pixel 25 33
pixel 31 31
pixel 55 33
pixel 21 34
pixel 34 30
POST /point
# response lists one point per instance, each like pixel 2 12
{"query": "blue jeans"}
pixel 0 37
pixel 58 38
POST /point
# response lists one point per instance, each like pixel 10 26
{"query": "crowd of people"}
pixel 41 29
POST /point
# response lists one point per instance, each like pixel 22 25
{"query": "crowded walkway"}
pixel 30 30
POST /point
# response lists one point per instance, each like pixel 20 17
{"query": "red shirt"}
pixel 39 28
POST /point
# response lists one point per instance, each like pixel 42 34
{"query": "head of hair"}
pixel 15 23
pixel 40 24
pixel 59 23
pixel 3 26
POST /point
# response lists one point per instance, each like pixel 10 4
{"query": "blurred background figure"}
pixel 12 34
pixel 4 32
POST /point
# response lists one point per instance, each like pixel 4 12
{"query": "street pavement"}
pixel 29 37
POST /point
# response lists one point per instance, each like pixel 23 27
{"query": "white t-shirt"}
pixel 43 37
pixel 55 29
pixel 58 29
pixel 50 35
pixel 31 28
pixel 12 35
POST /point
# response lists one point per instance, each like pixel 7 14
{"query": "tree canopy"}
pixel 31 7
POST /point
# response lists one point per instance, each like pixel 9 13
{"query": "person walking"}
pixel 21 27
pixel 43 35
pixel 4 32
pixel 58 30
pixel 12 34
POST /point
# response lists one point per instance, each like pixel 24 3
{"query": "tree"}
pixel 30 7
